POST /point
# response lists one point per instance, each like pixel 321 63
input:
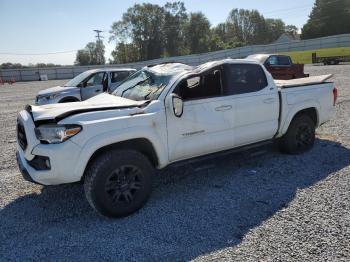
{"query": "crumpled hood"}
pixel 61 110
pixel 56 89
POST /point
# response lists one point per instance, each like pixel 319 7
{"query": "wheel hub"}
pixel 123 184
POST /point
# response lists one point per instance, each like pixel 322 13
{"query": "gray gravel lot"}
pixel 293 208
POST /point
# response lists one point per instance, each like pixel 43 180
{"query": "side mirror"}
pixel 178 105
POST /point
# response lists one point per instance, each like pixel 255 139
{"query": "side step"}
pixel 227 152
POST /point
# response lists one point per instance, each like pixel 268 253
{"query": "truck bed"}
pixel 312 80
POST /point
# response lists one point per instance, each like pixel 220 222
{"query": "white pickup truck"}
pixel 163 114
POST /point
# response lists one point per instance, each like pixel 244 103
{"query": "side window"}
pixel 284 60
pixel 119 76
pixel 243 78
pixel 272 60
pixel 95 79
pixel 199 87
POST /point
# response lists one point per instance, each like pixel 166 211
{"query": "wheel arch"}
pixel 311 111
pixel 142 145
pixel 68 99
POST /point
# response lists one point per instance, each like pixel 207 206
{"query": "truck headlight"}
pixel 55 134
pixel 44 98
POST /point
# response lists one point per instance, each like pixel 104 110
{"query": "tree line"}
pixel 148 31
pixel 9 65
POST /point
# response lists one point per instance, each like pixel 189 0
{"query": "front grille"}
pixel 21 136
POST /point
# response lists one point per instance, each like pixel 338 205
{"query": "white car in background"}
pixel 84 86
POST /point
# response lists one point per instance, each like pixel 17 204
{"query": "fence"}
pixel 67 72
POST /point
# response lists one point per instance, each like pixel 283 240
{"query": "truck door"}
pixel 94 85
pixel 256 103
pixel 205 125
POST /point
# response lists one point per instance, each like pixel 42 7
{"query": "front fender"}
pixel 156 138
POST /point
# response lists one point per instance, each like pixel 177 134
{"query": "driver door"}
pixel 205 125
pixel 94 85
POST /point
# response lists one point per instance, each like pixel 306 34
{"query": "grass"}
pixel 305 57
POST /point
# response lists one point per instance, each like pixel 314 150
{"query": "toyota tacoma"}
pixel 161 115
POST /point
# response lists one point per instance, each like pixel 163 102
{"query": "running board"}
pixel 225 152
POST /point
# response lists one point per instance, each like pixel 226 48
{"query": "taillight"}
pixel 335 95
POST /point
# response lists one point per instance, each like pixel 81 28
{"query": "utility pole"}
pixel 98 36
pixel 99 45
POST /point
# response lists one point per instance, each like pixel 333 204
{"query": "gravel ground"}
pixel 255 206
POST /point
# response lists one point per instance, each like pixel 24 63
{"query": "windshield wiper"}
pixel 138 83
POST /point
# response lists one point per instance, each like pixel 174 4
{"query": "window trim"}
pixel 219 67
pixel 225 76
pixel 91 76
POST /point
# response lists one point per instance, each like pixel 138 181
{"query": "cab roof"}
pixel 173 68
pixel 110 69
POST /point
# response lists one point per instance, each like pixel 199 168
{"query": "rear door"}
pixel 94 85
pixel 256 103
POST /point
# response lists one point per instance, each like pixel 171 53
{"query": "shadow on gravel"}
pixel 194 210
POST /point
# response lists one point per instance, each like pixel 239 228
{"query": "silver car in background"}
pixel 84 86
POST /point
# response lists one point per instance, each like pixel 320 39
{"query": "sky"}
pixel 33 28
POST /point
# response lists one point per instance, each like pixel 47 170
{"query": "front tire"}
pixel 118 182
pixel 300 136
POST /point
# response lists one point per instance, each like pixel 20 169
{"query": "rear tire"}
pixel 300 136
pixel 118 182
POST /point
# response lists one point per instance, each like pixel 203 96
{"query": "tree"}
pixel 175 19
pixel 92 54
pixel 141 25
pixel 197 33
pixel 82 57
pixel 291 29
pixel 275 28
pixel 328 17
pixel 125 53
pixel 149 31
pixel 246 26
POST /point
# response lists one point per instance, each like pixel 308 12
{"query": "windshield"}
pixel 142 85
pixel 78 79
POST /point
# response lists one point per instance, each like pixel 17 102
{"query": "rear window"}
pixel 284 60
pixel 243 78
pixel 119 76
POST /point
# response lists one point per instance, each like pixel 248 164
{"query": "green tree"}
pixel 82 57
pixel 125 53
pixel 141 25
pixel 197 33
pixel 328 17
pixel 246 26
pixel 175 19
pixel 92 54
pixel 275 28
pixel 291 29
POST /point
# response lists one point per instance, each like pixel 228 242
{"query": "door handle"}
pixel 223 108
pixel 269 100
pixel 97 90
